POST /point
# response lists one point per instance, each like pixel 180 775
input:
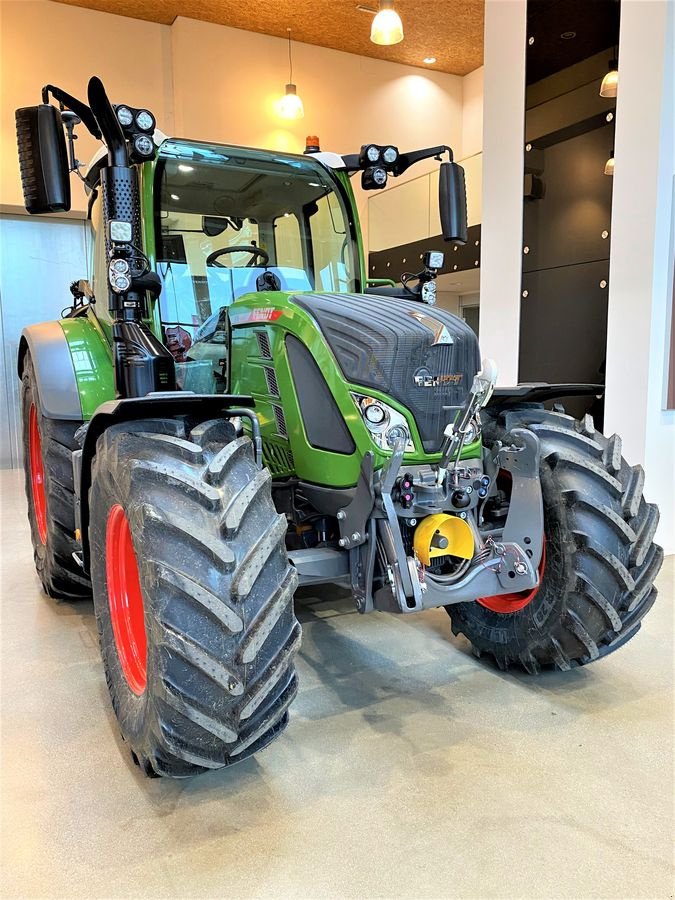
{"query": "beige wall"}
pixel 51 43
pixel 472 112
pixel 216 83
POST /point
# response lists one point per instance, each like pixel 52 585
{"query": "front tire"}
pixel 600 563
pixel 193 594
pixel 48 445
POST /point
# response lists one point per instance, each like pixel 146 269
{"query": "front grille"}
pixel 280 420
pixel 381 343
pixel 271 379
pixel 264 344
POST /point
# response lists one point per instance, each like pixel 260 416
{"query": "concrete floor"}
pixel 409 768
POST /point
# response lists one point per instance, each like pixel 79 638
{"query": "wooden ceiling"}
pixel 450 30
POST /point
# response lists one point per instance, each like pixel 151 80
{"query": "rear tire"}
pixel 207 677
pixel 48 445
pixel 601 561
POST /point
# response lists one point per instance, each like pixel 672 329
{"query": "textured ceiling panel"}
pixel 450 30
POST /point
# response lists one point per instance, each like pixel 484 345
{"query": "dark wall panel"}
pixel 566 227
pixel 564 324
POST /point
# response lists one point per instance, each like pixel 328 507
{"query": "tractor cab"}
pixel 234 221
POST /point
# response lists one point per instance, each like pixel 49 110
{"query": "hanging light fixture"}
pixel 387 27
pixel 609 165
pixel 611 80
pixel 290 105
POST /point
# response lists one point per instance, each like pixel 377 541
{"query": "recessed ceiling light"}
pixel 568 35
pixel 429 60
pixel 175 197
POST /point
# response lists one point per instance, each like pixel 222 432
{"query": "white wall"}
pixel 348 99
pixel 502 203
pixel 472 112
pixel 52 43
pixel 215 83
pixel 641 264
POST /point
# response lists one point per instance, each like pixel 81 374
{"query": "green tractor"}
pixel 231 409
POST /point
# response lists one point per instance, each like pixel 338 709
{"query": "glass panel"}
pixel 231 222
pixel 39 258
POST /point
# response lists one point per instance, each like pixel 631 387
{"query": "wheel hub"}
pixel 125 599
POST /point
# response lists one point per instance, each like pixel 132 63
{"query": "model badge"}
pixel 424 378
pixel 440 332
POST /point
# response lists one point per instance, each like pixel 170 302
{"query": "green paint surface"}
pixel 92 361
pixel 247 376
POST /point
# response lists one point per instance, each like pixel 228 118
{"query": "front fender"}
pixel 73 366
pixel 54 370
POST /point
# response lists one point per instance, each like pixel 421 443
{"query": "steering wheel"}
pixel 256 253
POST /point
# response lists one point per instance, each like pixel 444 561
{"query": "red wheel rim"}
pixel 37 474
pixel 508 603
pixel 126 600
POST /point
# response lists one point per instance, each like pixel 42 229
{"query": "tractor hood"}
pixel 422 356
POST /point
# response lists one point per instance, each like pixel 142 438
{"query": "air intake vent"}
pixel 264 344
pixel 271 379
pixel 278 460
pixel 281 420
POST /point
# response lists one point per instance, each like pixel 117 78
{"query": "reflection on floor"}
pixel 409 768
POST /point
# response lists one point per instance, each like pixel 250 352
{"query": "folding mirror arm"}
pixel 77 106
pixel 354 161
pixel 405 160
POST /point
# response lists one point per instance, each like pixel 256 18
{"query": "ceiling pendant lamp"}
pixel 611 80
pixel 609 165
pixel 290 105
pixel 387 27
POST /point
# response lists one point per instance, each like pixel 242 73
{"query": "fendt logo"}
pixel 438 329
pixel 423 378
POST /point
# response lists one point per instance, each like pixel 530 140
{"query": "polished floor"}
pixel 409 768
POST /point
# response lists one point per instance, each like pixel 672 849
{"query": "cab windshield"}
pixel 231 221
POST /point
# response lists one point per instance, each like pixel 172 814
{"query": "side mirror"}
pixel 452 202
pixel 42 159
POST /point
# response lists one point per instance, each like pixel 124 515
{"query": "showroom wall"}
pixel 220 84
pixel 51 43
pixel 201 80
pixel 642 229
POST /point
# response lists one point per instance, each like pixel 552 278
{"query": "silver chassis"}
pixel 512 564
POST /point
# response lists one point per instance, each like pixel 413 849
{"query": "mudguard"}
pixel 54 371
pixel 542 392
pixel 73 367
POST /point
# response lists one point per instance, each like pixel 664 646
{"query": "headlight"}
pixel 429 292
pixel 143 145
pixel 119 266
pixel 390 155
pixel 395 434
pixel 386 425
pixel 145 120
pixel 372 153
pixel 124 116
pixel 120 283
pixel 375 414
pixel 373 178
